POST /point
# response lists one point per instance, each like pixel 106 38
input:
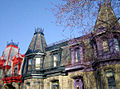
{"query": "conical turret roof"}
pixel 106 16
pixel 38 43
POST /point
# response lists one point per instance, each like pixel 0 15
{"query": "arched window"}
pixel 78 83
pixel 111 79
pixel 116 43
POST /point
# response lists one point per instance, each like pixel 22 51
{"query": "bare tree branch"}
pixel 81 14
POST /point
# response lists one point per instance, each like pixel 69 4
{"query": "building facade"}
pixel 44 66
pixel 95 61
pixel 91 61
pixel 10 67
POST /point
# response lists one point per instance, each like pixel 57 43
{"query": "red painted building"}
pixel 10 67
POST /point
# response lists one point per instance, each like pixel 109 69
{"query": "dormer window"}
pixel 77 54
pixel 105 46
pixel 29 64
pixel 116 43
pixel 56 57
pixel 55 60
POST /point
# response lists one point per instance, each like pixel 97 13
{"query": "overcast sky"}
pixel 19 18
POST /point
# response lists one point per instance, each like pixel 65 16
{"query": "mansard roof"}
pixel 38 43
pixel 106 17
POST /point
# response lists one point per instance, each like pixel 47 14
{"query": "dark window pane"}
pixel 15 70
pixel 55 84
pixel 111 80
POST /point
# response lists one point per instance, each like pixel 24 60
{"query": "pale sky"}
pixel 19 18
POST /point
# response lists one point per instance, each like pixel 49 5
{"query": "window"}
pixel 78 83
pixel 29 64
pixel 37 85
pixel 77 54
pixel 55 60
pixel 1 71
pixel 55 84
pixel 77 87
pixel 111 79
pixel 15 69
pixel 37 63
pixel 28 85
pixel 105 46
pixel 116 44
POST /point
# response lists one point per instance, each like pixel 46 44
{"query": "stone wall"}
pixel 88 79
pixel 92 80
pixel 64 82
pixel 101 79
pixel 33 84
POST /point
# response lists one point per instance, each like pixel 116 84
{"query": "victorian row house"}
pixel 91 61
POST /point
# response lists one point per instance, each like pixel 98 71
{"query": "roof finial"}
pixel 39 30
pixel 12 43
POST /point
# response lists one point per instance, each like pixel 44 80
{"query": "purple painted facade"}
pixel 82 64
pixel 103 48
pixel 100 57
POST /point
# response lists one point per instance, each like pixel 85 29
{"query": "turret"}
pixel 38 43
pixel 106 17
pixel 106 45
pixel 106 33
pixel 34 57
